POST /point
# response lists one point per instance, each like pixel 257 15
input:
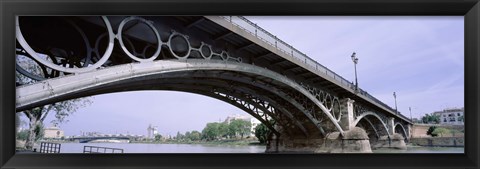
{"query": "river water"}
pixel 202 148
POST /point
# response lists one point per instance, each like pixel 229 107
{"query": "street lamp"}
pixel 355 61
pixel 395 97
pixel 410 109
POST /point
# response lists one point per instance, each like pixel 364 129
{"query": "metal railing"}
pixel 46 147
pixel 95 149
pixel 252 28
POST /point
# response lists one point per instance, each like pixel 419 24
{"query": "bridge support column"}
pixel 346 108
pixel 391 125
pixel 409 130
pixel 354 141
pixel 395 141
pixel 398 142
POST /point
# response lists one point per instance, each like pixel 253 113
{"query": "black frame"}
pixel 9 8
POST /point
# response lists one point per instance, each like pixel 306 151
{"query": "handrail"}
pixel 252 28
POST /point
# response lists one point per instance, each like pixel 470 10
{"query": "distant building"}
pixel 53 132
pixel 253 121
pixel 451 116
pixel 152 131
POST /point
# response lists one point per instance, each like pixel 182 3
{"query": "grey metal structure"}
pixel 227 58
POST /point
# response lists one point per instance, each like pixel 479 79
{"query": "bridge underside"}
pixel 313 115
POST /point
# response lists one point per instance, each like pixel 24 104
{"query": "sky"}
pixel 421 58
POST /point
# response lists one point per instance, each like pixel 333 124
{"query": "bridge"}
pixel 308 107
pixel 87 139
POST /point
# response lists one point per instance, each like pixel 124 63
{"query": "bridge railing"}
pixel 267 37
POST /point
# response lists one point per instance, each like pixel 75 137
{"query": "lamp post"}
pixel 355 61
pixel 410 109
pixel 395 97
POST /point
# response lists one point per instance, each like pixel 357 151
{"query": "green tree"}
pixel 261 132
pixel 239 127
pixel 62 110
pixel 195 135
pixel 440 131
pixel 430 131
pixel 431 118
pixel 223 129
pixel 180 136
pixel 22 135
pixel 210 132
pixel 187 136
pixel 245 128
pixel 158 137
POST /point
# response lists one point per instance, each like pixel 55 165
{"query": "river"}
pixel 204 148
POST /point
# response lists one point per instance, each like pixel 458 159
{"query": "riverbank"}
pixel 239 142
pixel 439 141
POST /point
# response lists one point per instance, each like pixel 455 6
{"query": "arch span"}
pixel 401 130
pixel 381 128
pixel 98 81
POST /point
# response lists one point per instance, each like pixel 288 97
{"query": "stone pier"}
pixel 354 141
pixel 396 141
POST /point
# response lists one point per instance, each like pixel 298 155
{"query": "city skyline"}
pixel 419 58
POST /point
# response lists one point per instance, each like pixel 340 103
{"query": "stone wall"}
pixel 420 130
pixel 439 141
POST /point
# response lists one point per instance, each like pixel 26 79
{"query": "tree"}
pixel 245 128
pixel 210 132
pixel 261 132
pixel 430 131
pixel 239 127
pixel 440 131
pixel 180 136
pixel 62 110
pixel 158 137
pixel 431 118
pixel 37 115
pixel 22 135
pixel 223 130
pixel 195 135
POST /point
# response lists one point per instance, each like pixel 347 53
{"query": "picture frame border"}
pixel 470 9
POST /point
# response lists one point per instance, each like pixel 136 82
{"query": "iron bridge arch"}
pixel 172 62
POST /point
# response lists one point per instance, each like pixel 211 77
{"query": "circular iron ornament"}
pixel 336 112
pixel 224 55
pixel 328 102
pixel 97 44
pixel 21 40
pixel 206 51
pixel 144 52
pixel 170 46
pixel 149 24
pixel 85 40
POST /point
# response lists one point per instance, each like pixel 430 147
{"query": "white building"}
pixel 451 116
pixel 152 131
pixel 53 132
